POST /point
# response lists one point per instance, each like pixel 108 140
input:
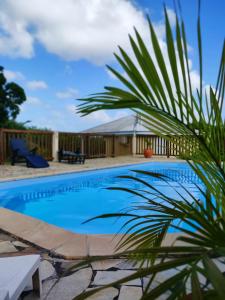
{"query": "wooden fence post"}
pixel 55 145
pixel 134 145
pixel 1 147
pixel 82 144
pixel 167 149
pixel 88 146
pixel 114 146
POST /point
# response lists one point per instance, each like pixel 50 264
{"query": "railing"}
pixel 176 146
pixel 69 141
pixel 94 145
pixel 34 138
pixel 159 145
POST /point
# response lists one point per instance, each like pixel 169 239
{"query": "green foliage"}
pixel 11 97
pixel 13 124
pixel 162 94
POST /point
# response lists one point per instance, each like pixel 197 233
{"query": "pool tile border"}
pixel 57 241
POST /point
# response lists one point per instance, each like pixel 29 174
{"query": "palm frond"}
pixel 158 87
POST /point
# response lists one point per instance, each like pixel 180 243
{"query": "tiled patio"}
pixel 20 171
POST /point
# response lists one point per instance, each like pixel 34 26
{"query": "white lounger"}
pixel 16 273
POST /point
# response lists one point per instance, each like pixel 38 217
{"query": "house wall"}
pixel 123 145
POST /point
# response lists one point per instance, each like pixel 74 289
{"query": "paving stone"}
pixel 46 286
pixel 159 278
pixel 107 294
pixel 154 284
pixel 5 237
pixel 47 270
pixel 7 247
pixel 20 244
pixel 220 264
pixel 70 286
pixel 130 293
pixel 162 276
pixel 130 265
pixel 164 296
pixel 201 278
pixel 65 265
pixel 106 264
pixel 146 281
pixel 105 277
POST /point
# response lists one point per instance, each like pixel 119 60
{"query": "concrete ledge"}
pixel 60 242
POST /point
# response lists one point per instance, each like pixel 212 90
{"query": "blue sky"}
pixel 57 50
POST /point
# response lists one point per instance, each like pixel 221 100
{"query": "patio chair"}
pixel 71 157
pixel 20 152
pixel 16 274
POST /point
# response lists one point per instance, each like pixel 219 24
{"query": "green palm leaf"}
pixel 160 91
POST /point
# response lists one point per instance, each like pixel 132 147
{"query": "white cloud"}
pixel 206 90
pixel 15 40
pixel 37 85
pixel 71 108
pixel 195 80
pixel 74 30
pixel 69 93
pixel 97 117
pixel 100 116
pixel 172 16
pixel 30 104
pixel 33 101
pixel 110 74
pixel 13 75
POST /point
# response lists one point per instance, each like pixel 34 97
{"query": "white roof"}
pixel 125 125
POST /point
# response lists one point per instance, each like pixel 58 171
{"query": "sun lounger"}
pixel 20 151
pixel 16 273
pixel 71 157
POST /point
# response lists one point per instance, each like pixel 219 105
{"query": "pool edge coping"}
pixel 34 176
pixel 57 241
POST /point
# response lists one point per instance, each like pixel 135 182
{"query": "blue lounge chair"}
pixel 20 151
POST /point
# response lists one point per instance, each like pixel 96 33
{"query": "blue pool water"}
pixel 69 200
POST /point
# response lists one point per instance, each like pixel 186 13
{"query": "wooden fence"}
pixel 176 146
pixel 159 145
pixel 93 145
pixel 34 138
pixel 96 145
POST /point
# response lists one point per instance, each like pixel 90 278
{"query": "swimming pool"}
pixel 69 200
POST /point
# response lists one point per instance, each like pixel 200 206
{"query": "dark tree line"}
pixel 11 97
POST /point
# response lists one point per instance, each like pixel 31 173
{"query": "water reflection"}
pixel 69 202
pixel 183 176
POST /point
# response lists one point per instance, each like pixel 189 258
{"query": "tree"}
pixel 11 97
pixel 162 91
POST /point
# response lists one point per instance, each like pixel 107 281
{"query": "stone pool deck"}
pixel 59 249
pixel 20 171
pixel 57 286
